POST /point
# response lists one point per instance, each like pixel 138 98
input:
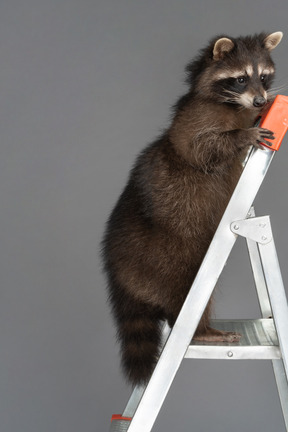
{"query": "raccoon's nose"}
pixel 259 101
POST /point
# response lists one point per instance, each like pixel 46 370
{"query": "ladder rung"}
pixel 258 341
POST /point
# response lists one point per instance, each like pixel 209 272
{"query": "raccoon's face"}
pixel 247 87
pixel 239 71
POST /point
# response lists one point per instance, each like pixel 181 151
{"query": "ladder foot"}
pixel 119 423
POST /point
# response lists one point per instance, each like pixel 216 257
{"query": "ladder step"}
pixel 258 341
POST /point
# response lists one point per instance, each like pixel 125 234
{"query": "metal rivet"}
pixel 236 227
pixel 230 354
pixel 264 238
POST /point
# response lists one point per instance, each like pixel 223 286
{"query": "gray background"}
pixel 84 86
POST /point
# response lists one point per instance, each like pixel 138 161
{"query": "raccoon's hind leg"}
pixel 206 333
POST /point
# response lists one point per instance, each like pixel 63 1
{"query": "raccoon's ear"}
pixel 221 47
pixel 271 41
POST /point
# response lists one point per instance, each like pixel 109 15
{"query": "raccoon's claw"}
pixel 264 141
pixel 266 134
pixel 261 136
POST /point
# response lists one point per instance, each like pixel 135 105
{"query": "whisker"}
pixel 278 89
pixel 283 85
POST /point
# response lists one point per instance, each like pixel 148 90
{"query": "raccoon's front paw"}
pixel 259 135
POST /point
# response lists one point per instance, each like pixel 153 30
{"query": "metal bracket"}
pixel 255 228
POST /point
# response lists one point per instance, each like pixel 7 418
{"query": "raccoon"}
pixel 159 231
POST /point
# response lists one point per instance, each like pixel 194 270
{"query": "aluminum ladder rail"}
pixel 261 339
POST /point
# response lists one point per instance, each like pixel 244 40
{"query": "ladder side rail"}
pixel 134 400
pixel 282 386
pixel 265 306
pixel 201 291
pixel 277 296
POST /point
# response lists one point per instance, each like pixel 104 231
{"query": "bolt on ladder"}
pixel 265 338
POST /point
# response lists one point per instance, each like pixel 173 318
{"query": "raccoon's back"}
pixel 165 194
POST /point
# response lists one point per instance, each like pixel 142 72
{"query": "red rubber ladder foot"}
pixel 119 423
pixel 120 417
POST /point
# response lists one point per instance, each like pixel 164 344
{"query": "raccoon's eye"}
pixel 263 78
pixel 241 80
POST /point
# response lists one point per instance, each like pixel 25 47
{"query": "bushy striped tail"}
pixel 139 333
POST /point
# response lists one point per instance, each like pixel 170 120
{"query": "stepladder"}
pixel 262 338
